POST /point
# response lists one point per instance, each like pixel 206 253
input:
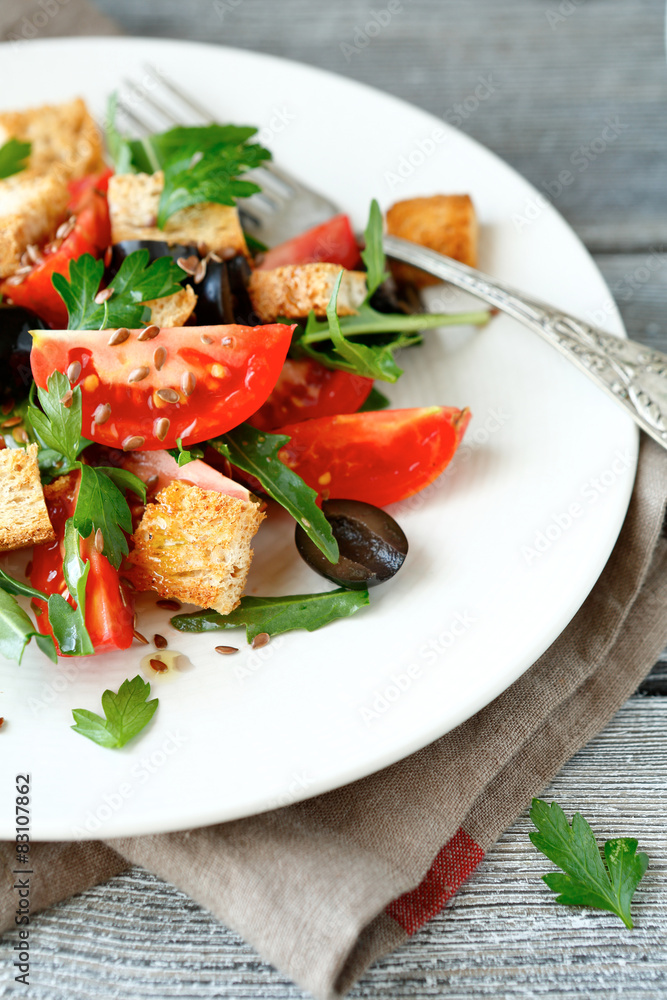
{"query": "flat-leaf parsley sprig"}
pixel 127 711
pixel 588 880
pixel 14 156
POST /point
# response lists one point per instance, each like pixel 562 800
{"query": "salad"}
pixel 167 380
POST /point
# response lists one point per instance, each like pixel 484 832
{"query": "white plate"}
pixel 499 560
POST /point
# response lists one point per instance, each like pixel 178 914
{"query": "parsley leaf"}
pixel 373 255
pixel 101 506
pixel 256 452
pixel 13 157
pixel 184 456
pixel 277 614
pixel 57 426
pixel 127 712
pixel 137 281
pixel 587 881
pixel 16 629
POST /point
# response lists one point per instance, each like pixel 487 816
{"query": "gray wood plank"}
pixel 503 935
pixel 556 80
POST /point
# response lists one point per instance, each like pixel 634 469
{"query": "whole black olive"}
pixel 221 294
pixel 15 346
pixel 372 545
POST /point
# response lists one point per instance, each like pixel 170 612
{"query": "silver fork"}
pixel 634 376
pixel 284 208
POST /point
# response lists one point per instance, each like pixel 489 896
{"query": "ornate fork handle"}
pixel 634 375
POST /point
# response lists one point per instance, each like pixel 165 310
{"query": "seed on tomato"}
pixel 145 393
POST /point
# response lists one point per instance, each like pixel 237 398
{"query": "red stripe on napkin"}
pixel 455 862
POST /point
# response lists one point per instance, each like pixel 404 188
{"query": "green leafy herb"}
pixel 16 629
pixel 373 256
pixel 137 281
pixel 375 401
pixel 256 452
pixel 57 426
pixel 255 246
pixel 101 506
pixel 183 456
pixel 371 362
pixel 12 586
pixel 13 157
pixel 587 881
pixel 277 614
pixel 127 713
pixel 69 622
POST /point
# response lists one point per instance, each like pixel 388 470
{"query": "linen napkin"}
pixel 324 887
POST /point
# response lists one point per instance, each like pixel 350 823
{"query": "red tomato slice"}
pixel 306 389
pixel 332 242
pixel 91 234
pixel 378 457
pixel 210 379
pixel 109 605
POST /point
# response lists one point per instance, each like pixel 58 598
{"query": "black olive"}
pixel 221 295
pixel 15 346
pixel 372 545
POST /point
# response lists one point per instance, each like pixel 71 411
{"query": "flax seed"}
pixel 160 641
pixel 102 413
pixel 74 371
pixel 188 264
pixel 108 254
pixel 28 569
pixel 138 374
pixel 140 638
pixel 66 400
pixel 118 337
pixel 99 541
pixel 159 666
pixel 226 650
pixel 260 640
pixel 20 435
pixel 188 383
pixel 149 333
pixel 169 604
pixel 200 273
pixel 168 395
pixel 161 428
pixel 205 339
pixel 33 254
pixel 130 443
pixel 65 228
pixel 159 357
pixel 103 296
pixel 12 422
pixel 152 482
pixel 227 341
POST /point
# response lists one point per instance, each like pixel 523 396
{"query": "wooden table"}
pixel 559 69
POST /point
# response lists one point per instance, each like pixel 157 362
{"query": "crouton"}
pixel 194 545
pixel 64 138
pixel 31 209
pixel 293 291
pixel 173 310
pixel 444 222
pixel 133 208
pixel 24 520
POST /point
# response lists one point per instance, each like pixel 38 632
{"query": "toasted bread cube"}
pixel 133 208
pixel 64 138
pixel 194 545
pixel 31 209
pixel 24 520
pixel 173 310
pixel 444 222
pixel 293 291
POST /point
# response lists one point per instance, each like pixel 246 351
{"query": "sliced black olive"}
pixel 15 346
pixel 221 294
pixel 372 545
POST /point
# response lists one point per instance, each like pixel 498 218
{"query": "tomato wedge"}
pixel 109 607
pixel 306 389
pixel 91 234
pixel 379 457
pixel 332 242
pixel 186 382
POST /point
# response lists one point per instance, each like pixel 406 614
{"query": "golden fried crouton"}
pixel 64 138
pixel 23 517
pixel 294 290
pixel 194 545
pixel 173 310
pixel 133 207
pixel 444 222
pixel 31 209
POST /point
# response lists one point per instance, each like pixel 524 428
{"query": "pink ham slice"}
pixel 146 464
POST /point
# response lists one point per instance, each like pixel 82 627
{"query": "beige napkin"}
pixel 323 887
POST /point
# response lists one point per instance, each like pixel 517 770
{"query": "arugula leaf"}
pixel 12 586
pixel 277 614
pixel 373 256
pixel 137 281
pixel 119 148
pixel 256 452
pixel 375 401
pixel 101 505
pixel 587 880
pixel 68 623
pixel 372 362
pixel 16 629
pixel 58 427
pixel 212 178
pixel 13 157
pixel 127 712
